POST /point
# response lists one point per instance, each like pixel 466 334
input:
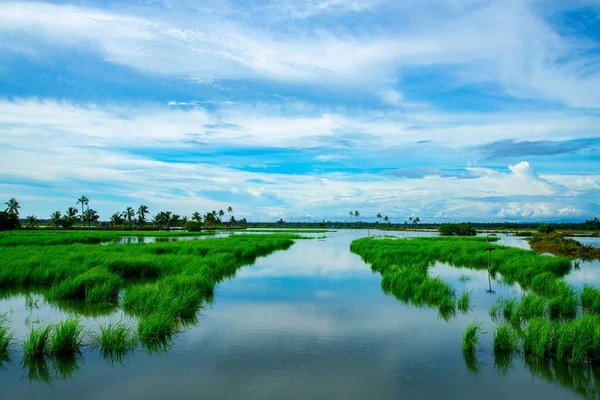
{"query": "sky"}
pixel 456 110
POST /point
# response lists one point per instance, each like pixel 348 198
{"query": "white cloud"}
pixel 505 43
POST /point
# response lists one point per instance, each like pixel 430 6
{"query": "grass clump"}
pixel 590 299
pixel 67 337
pixel 116 339
pixel 471 337
pixel 464 302
pixel 505 339
pixel 5 340
pixel 38 341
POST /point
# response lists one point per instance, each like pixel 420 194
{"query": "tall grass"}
pixel 464 302
pixel 115 340
pixel 67 337
pixel 506 340
pixel 37 343
pixel 5 340
pixel 471 337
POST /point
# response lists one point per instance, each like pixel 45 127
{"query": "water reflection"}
pixel 310 322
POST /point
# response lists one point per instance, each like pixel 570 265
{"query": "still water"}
pixel 310 323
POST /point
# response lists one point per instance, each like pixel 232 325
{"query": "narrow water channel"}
pixel 313 323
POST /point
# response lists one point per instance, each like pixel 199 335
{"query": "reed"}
pixel 471 337
pixel 38 342
pixel 66 337
pixel 505 339
pixel 115 339
pixel 6 338
pixel 464 302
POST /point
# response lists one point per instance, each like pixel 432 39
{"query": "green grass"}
pixel 471 337
pixel 67 337
pixel 115 340
pixel 282 230
pixel 37 343
pixel 590 299
pixel 505 339
pixel 50 237
pixel 5 340
pixel 464 302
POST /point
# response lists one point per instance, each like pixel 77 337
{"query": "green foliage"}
pixel 37 342
pixel 66 337
pixel 471 337
pixel 464 302
pixel 590 299
pixel 505 339
pixel 5 340
pixel 115 340
pixel 8 221
pixel 193 226
pixel 545 228
pixel 460 229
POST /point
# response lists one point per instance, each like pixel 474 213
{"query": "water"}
pixel 310 322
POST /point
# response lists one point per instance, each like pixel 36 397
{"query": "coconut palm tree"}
pixel 12 206
pixel 416 220
pixel 68 220
pixel 386 220
pixel 160 219
pixel 230 212
pixel 174 220
pixel 141 212
pixel 197 217
pixel 221 214
pixel 90 216
pixel 356 215
pixel 116 219
pixel 83 201
pixel 378 217
pixel 55 219
pixel 128 214
pixel 31 221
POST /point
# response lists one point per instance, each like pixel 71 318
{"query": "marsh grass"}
pixel 67 338
pixel 464 302
pixel 506 340
pixel 471 337
pixel 464 278
pixel 37 343
pixel 49 237
pixel 6 338
pixel 115 341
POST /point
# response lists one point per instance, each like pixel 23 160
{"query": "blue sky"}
pixel 470 110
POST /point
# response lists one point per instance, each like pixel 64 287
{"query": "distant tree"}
pixel 416 220
pixel 141 213
pixel 68 220
pixel 592 224
pixel 90 216
pixel 197 217
pixel 31 221
pixel 12 207
pixel 129 214
pixel 356 215
pixel 232 220
pixel 386 220
pixel 184 220
pixel 280 222
pixel 83 201
pixel 545 228
pixel 116 219
pixel 243 222
pixel 55 219
pixel 378 217
pixel 174 220
pixel 161 220
pixel 8 221
pixel 221 214
pixel 211 220
pixel 461 229
pixel 230 212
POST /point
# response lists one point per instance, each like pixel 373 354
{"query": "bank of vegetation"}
pixel 160 285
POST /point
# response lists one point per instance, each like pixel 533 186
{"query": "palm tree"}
pixel 90 216
pixel 84 201
pixel 230 212
pixel 386 220
pixel 12 206
pixel 356 214
pixel 221 214
pixel 116 219
pixel 129 213
pixel 351 215
pixel 141 212
pixel 160 219
pixel 174 220
pixel 378 217
pixel 31 221
pixel 197 217
pixel 416 221
pixel 69 218
pixel 55 219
